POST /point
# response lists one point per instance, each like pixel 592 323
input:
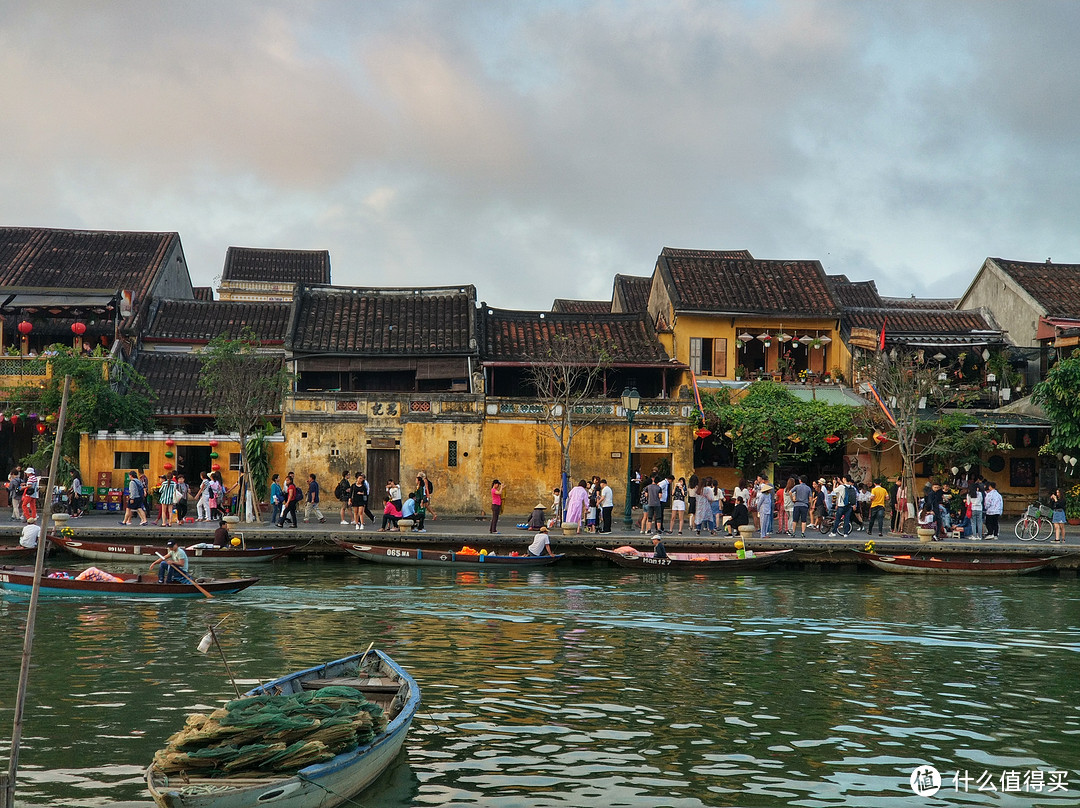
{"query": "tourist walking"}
pixel 311 500
pixel 292 501
pixel 993 505
pixel 136 500
pixel 341 494
pixel 1057 508
pixel 497 489
pixel 358 497
pixel 678 505
pixel 277 498
pixel 576 502
pixel 427 490
pixel 30 494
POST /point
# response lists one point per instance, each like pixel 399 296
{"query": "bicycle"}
pixel 1030 526
pixel 826 524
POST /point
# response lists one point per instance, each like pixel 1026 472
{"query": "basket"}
pixel 1038 511
pixel 1045 512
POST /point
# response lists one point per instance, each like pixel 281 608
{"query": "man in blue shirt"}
pixel 800 514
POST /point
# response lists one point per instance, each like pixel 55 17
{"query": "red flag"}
pixel 881 339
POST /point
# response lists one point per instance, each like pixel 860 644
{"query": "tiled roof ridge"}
pixel 685 252
pixel 390 291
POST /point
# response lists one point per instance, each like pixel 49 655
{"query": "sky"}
pixel 535 149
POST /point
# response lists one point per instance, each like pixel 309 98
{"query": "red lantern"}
pixel 167 466
pixel 41 428
pixel 213 443
pixel 879 437
pixel 216 467
pixel 170 442
pixel 25 327
pixel 832 440
pixel 15 418
pixel 703 432
pixel 78 329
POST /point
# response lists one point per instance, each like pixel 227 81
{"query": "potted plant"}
pixel 740 373
pixel 1072 505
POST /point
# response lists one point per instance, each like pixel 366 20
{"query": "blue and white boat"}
pixel 323 785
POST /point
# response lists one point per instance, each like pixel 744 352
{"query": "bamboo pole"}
pixel 7 793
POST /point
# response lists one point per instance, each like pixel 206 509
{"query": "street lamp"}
pixel 631 401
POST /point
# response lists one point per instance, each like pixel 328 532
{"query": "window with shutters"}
pixel 708 356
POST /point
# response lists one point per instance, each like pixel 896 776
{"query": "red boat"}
pixel 956 564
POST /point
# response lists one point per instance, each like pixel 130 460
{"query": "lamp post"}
pixel 631 401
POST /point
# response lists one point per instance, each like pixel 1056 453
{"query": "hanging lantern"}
pixel 940 357
pixel 50 418
pixel 782 337
pixel 765 337
pixel 3 417
pixel 825 339
pixel 728 435
pixel 167 466
pixel 78 329
pixel 168 454
pixel 794 438
pixel 806 339
pixel 170 442
pixel 832 440
pixel 41 428
pixel 1072 461
pixel 25 327
pixel 15 418
pixel 879 437
pixel 214 455
pixel 32 416
pixel 745 338
pixel 216 467
pixel 954 470
pixel 702 432
pixel 213 443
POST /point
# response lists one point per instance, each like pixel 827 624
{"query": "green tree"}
pixel 246 386
pixel 105 394
pixel 1059 395
pixel 768 424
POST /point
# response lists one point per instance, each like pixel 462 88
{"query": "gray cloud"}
pixel 537 149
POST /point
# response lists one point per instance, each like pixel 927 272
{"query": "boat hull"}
pixel 956 565
pixel 147 553
pixel 325 785
pixel 21 580
pixel 711 562
pixel 422 557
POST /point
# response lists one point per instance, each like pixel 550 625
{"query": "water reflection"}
pixel 579 686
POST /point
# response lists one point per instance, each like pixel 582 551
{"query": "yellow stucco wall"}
pixel 688 326
pixel 97 453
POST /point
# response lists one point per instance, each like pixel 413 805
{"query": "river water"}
pixel 589 685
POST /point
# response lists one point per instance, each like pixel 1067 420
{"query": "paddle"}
pixel 190 579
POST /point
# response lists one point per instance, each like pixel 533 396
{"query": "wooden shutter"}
pixel 719 363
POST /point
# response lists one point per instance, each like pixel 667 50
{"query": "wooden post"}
pixel 7 793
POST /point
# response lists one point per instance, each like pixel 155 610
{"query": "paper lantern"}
pixel 25 327
pixel 702 433
pixel 213 443
pixel 832 440
pixel 794 438
pixel 825 340
pixel 167 466
pixel 3 417
pixel 41 428
pixel 78 329
pixel 15 418
pixel 782 337
pixel 50 417
pixel 879 437
pixel 214 455
pixel 170 442
pixel 806 339
pixel 216 467
pixel 954 470
pixel 32 416
pixel 168 454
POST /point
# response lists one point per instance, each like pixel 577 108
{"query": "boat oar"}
pixel 189 578
pixel 360 664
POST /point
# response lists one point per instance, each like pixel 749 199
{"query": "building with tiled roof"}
pixel 913 302
pixel 630 294
pixel 189 324
pixel 564 306
pixel 849 294
pixel 371 339
pixel 202 292
pixel 732 316
pixel 1035 302
pixel 261 274
pixel 104 279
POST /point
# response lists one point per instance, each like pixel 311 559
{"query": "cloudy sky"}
pixel 538 148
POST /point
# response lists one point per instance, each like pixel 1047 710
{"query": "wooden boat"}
pixel 147 553
pixel 712 562
pixel 423 557
pixel 335 782
pixel 145 585
pixel 12 552
pixel 956 565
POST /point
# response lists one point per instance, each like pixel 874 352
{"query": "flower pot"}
pixel 926 534
pixel 1073 520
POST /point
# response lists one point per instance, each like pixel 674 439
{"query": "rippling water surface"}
pixel 584 686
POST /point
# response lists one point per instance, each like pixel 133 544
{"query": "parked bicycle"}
pixel 1035 524
pixel 826 525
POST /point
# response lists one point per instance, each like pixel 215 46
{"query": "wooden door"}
pixel 382 465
